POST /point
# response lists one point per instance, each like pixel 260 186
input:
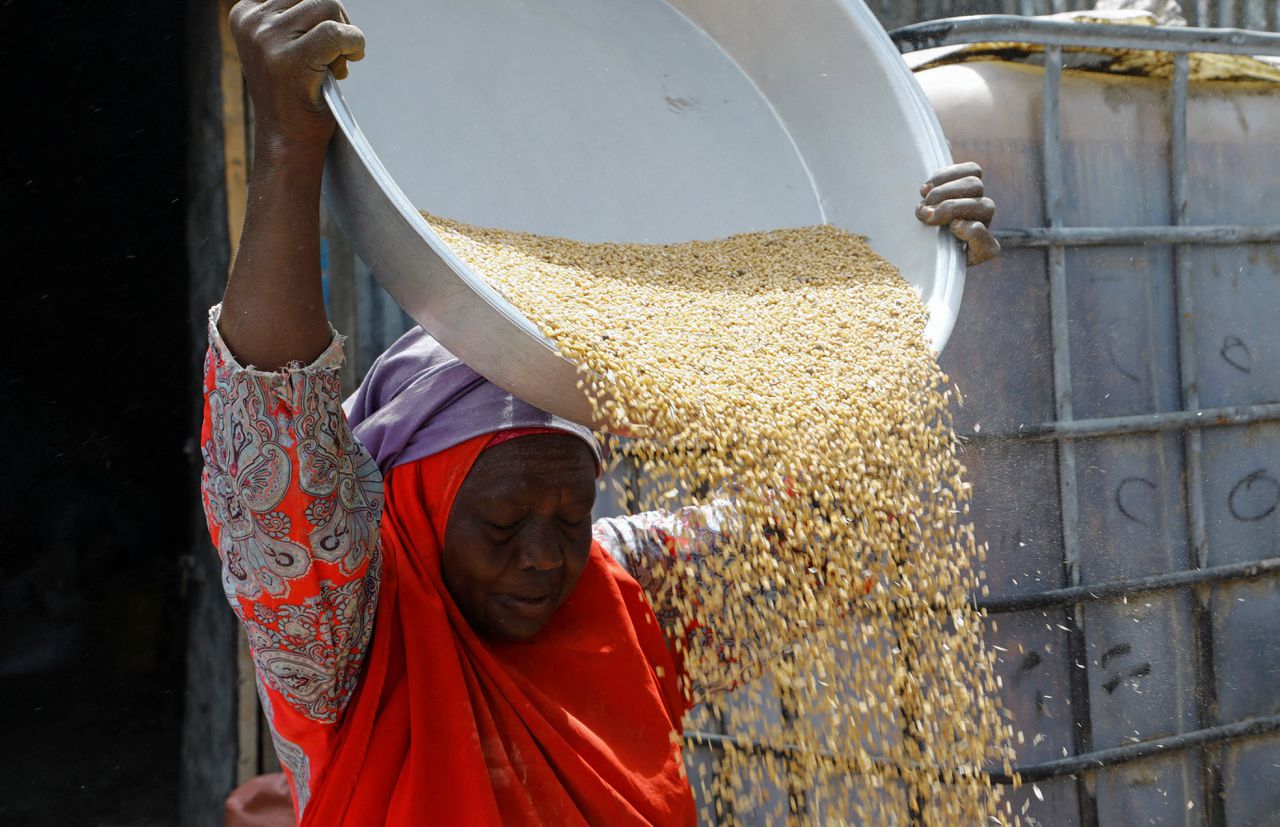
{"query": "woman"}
pixel 439 630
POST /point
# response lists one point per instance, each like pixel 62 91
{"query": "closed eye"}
pixel 574 523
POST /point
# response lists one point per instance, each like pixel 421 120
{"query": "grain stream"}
pixel 789 369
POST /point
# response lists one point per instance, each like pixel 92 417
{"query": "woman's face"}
pixel 519 533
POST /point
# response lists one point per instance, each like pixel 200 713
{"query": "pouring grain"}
pixel 789 369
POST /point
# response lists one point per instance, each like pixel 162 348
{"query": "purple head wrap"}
pixel 419 399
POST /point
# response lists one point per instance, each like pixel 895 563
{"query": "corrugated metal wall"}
pixel 1245 14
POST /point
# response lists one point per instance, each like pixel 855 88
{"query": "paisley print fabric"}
pixel 247 473
pixel 296 646
pixel 293 504
pixel 292 758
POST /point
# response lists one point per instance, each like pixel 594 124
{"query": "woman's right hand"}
pixel 285 47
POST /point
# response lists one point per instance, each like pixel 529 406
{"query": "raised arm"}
pixel 273 310
pixel 293 501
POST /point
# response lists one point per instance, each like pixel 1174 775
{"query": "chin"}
pixel 513 632
pixel 509 619
pixel 509 628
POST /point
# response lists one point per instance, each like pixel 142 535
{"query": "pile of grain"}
pixel 789 368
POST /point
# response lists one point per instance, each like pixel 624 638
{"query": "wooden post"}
pixel 209 724
pixel 253 754
pixel 234 127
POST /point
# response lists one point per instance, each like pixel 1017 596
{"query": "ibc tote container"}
pixel 1129 620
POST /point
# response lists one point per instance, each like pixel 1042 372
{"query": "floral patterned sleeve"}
pixel 293 504
pixel 677 557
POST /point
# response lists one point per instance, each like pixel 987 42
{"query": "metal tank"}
pixel 1121 373
pixel 645 121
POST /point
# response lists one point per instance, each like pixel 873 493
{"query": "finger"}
pixel 330 40
pixel 307 14
pixel 242 10
pixel 951 173
pixel 968 209
pixel 982 244
pixel 339 68
pixel 967 187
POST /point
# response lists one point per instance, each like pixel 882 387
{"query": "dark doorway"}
pixel 94 412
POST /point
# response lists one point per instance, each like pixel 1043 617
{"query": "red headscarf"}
pixel 573 727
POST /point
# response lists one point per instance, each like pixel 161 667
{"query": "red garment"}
pixel 578 726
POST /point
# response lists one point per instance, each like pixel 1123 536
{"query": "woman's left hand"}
pixel 955 196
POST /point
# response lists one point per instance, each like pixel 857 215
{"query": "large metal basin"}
pixel 641 121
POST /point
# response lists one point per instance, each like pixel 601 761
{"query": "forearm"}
pixel 273 309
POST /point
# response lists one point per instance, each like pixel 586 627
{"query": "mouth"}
pixel 528 605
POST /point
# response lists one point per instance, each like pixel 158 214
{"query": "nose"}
pixel 540 547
